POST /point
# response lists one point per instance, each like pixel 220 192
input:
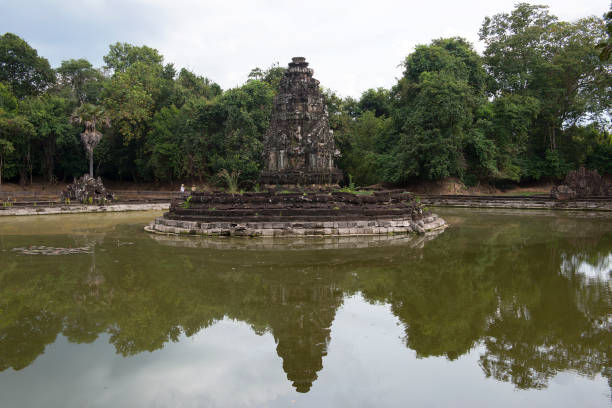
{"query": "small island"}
pixel 272 214
pixel 302 196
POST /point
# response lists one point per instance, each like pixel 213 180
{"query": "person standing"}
pixel 182 188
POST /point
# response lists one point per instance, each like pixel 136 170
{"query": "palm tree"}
pixel 91 116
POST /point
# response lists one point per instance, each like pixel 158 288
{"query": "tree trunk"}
pixel 23 175
pixel 49 158
pixel 30 165
pixel 553 139
pixel 91 164
pixel 50 166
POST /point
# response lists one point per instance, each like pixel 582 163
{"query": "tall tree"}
pixel 22 68
pixel 606 45
pixel 8 106
pixel 436 100
pixel 376 100
pixel 17 134
pixel 92 117
pixel 516 46
pixel 47 113
pixel 84 81
pixel 189 85
pixel 271 76
pixel 532 54
pixel 139 87
pixel 123 55
pixel 6 148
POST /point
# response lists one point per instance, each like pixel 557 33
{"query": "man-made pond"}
pixel 502 309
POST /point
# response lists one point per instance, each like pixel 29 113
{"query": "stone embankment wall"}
pixel 76 209
pixel 296 214
pixel 301 242
pixel 533 203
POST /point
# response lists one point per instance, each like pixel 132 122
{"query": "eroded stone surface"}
pixel 582 183
pixel 291 229
pixel 87 190
pixel 299 242
pixel 47 250
pixel 297 214
pixel 299 146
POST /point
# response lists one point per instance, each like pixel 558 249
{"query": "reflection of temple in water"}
pixel 302 329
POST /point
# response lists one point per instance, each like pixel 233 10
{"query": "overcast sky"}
pixel 352 45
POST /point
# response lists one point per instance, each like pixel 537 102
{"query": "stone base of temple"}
pixel 272 214
pixel 297 228
pixel 291 179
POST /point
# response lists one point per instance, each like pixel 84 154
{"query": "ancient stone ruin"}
pixel 87 190
pixel 299 152
pixel 582 183
pixel 299 146
pixel 316 213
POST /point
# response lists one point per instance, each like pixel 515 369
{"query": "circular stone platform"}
pixel 307 243
pixel 281 214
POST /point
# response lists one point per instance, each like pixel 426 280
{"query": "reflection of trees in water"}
pixel 506 288
pixel 515 288
pixel 564 320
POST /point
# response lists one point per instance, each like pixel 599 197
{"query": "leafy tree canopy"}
pixel 22 68
pixel 123 55
pixel 84 81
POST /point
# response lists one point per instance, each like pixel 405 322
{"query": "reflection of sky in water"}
pixel 228 365
pixel 552 323
pixel 601 271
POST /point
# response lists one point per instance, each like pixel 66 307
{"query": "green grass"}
pixel 230 179
pixel 526 193
pixel 354 191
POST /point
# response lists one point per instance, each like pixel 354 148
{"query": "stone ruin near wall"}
pixel 87 190
pixel 299 148
pixel 582 183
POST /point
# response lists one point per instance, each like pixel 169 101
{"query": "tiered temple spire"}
pixel 299 146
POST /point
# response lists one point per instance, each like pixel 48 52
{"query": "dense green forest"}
pixel 533 106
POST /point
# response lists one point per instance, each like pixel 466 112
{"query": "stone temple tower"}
pixel 299 146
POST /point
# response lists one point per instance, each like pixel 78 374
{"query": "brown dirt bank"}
pixel 450 185
pixel 454 186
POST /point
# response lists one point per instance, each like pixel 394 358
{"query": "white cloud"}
pixel 352 45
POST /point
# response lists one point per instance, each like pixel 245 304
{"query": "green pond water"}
pixel 504 309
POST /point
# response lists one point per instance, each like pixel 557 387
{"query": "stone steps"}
pixel 288 213
pixel 279 218
pixel 286 228
pixel 296 213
